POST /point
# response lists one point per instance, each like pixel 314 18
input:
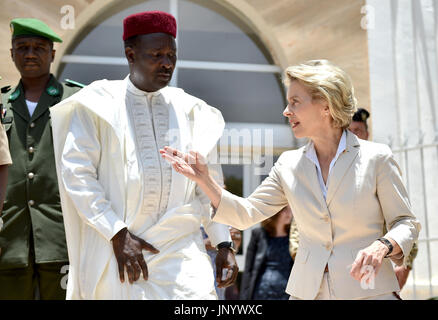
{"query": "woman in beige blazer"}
pixel 342 191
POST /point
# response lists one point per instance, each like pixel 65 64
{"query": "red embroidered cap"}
pixel 149 22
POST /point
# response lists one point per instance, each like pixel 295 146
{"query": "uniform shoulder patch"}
pixel 72 83
pixel 5 89
pixel 53 91
pixel 14 95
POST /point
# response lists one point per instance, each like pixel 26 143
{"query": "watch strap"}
pixel 387 243
pixel 226 244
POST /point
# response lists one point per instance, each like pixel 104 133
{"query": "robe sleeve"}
pixel 79 169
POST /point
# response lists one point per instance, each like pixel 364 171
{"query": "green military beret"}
pixel 32 27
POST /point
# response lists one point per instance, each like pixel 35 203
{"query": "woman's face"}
pixel 306 117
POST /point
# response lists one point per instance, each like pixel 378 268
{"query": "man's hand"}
pixel 402 274
pixel 128 250
pixel 225 259
pixel 208 245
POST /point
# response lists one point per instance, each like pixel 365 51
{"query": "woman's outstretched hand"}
pixel 192 164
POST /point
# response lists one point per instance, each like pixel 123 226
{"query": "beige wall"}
pixel 293 30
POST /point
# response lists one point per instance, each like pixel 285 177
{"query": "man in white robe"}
pixel 124 208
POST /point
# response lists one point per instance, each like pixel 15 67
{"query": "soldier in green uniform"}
pixel 33 258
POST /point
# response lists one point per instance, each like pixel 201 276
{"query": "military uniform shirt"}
pixel 32 209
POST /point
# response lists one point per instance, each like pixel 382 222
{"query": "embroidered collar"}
pixel 136 91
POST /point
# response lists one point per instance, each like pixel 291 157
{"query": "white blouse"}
pixel 311 154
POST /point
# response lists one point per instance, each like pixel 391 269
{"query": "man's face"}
pixel 32 56
pixel 359 129
pixel 152 61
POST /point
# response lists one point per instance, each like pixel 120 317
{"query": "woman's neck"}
pixel 326 145
pixel 280 231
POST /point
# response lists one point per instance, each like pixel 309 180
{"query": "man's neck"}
pixel 141 86
pixel 34 87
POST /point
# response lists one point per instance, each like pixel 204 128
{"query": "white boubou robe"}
pixel 101 190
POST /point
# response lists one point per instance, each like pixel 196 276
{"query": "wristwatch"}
pixel 1 223
pixel 387 243
pixel 226 244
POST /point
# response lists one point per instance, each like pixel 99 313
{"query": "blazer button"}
pixel 31 202
pixel 30 175
pixel 32 124
pixel 328 246
pixel 31 149
pixel 326 218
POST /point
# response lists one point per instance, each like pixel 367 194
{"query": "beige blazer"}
pixel 365 191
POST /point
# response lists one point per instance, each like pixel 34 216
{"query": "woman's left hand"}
pixel 368 262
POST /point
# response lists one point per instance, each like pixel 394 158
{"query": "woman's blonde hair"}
pixel 326 81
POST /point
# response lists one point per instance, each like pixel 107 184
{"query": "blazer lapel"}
pixel 342 165
pixel 308 168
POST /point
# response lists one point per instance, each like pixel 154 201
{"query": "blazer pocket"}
pixel 302 255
